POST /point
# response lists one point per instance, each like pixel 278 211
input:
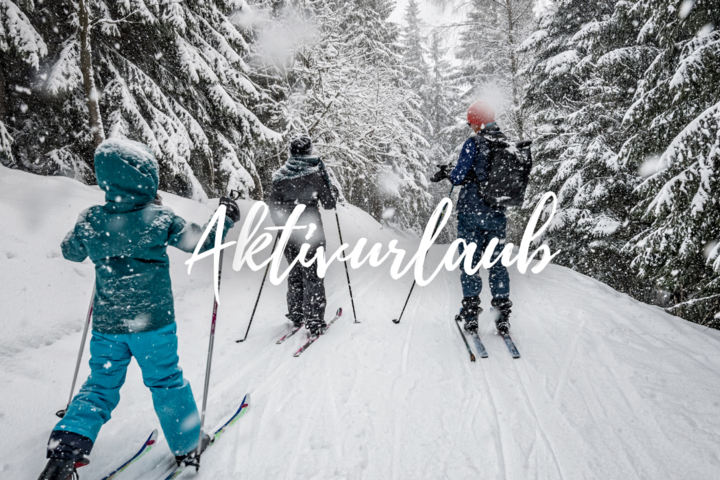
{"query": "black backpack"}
pixel 508 172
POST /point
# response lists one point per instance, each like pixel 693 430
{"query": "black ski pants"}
pixel 306 291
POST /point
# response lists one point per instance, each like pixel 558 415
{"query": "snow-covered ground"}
pixel 607 387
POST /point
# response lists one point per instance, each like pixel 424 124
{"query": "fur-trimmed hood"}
pixel 298 166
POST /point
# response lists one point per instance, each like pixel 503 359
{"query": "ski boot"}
pixel 59 469
pixel 297 320
pixel 469 314
pixel 190 459
pixel 316 326
pixel 502 322
pixel 66 453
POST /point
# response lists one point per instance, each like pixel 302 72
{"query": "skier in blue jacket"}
pixel 479 222
pixel 133 315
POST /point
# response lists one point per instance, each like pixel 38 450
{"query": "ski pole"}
pixel 262 284
pixel 347 274
pixel 61 413
pixel 467 345
pixel 437 225
pixel 211 343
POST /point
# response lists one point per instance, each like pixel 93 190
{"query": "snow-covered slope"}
pixel 606 388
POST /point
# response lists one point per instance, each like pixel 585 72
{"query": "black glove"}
pixel 232 211
pixel 441 174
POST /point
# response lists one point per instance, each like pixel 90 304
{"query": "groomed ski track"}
pixel 606 387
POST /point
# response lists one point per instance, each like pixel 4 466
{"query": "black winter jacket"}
pixel 302 180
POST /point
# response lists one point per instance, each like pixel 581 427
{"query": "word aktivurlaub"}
pixel 249 245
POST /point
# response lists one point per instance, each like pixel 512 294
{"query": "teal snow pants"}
pixel 156 354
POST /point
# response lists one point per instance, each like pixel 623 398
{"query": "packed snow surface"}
pixel 607 387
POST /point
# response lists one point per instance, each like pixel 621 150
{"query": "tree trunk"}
pixel 91 94
pixel 6 157
pixel 517 101
pixel 2 93
pixel 258 184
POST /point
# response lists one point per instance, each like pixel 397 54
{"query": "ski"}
pixel 511 345
pixel 177 471
pixel 312 340
pixel 147 446
pixel 479 345
pixel 467 345
pixel 288 335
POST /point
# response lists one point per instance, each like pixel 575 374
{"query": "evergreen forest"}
pixel 620 99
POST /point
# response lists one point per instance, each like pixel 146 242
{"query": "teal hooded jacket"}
pixel 127 239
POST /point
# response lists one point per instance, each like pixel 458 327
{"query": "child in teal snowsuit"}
pixel 133 312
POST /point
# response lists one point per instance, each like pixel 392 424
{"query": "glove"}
pixel 441 174
pixel 232 210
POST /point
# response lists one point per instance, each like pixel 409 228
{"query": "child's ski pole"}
pixel 61 413
pixel 211 343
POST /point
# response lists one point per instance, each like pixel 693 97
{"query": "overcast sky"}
pixel 429 13
pixel 433 16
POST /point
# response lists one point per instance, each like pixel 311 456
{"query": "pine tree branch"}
pixel 114 22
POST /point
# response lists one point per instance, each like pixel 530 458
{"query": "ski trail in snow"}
pixel 633 399
pixel 572 352
pixel 406 347
pixel 401 385
pixel 500 442
pixel 539 421
pixel 297 451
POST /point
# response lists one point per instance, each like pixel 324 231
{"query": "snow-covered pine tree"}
pixel 414 50
pixel 583 80
pixel 441 106
pixel 344 86
pixel 169 74
pixel 21 50
pixel 490 60
pixel 427 73
pixel 676 123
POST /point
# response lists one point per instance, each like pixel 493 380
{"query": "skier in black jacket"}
pixel 303 180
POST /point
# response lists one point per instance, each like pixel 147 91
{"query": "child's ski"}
pixel 313 339
pixel 177 471
pixel 147 446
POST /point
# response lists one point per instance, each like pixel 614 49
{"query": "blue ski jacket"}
pixel 127 239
